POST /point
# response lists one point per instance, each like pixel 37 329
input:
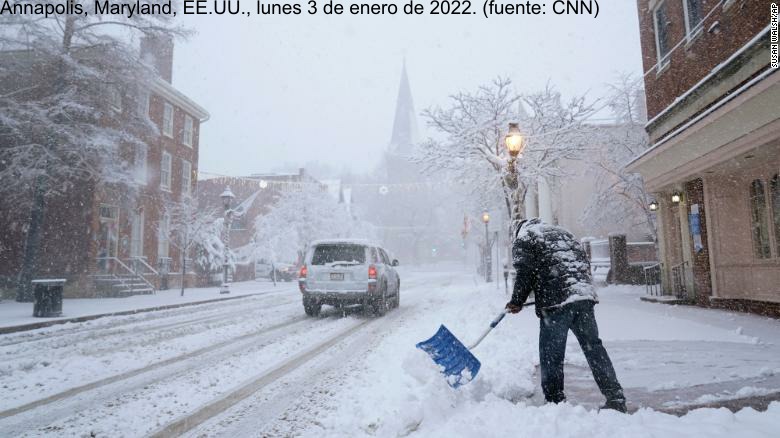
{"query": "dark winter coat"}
pixel 551 264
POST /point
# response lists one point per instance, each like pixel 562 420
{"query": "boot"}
pixel 616 404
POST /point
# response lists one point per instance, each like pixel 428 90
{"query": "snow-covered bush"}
pixel 300 216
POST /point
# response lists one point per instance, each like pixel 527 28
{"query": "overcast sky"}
pixel 289 90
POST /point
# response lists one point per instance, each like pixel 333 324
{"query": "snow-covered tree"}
pixel 620 198
pixel 195 230
pixel 299 217
pixel 471 149
pixel 61 77
pixel 210 249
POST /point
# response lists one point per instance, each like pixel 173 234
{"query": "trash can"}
pixel 48 297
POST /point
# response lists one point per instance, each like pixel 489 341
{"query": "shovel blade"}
pixel 458 365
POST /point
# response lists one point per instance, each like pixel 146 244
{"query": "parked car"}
pixel 284 271
pixel 342 272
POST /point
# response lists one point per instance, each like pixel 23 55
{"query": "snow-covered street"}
pixel 257 366
pixel 389 219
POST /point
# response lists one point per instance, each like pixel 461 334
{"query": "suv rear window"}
pixel 346 253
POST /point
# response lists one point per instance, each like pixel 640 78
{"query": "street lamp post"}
pixel 227 197
pixel 488 255
pixel 515 144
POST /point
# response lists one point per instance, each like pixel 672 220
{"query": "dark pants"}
pixel 553 330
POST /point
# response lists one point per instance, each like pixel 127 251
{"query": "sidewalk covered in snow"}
pixel 14 314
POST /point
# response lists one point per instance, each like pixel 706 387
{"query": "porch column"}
pixel 531 202
pixel 545 202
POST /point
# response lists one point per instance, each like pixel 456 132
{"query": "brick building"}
pixel 110 239
pixel 714 163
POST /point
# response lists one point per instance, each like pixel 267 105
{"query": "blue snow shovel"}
pixel 459 365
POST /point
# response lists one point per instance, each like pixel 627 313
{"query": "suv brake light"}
pixel 372 272
pixel 302 278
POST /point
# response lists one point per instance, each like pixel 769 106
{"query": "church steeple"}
pixel 405 124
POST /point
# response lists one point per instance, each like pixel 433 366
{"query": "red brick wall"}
pixel 641 253
pixel 694 194
pixel 738 25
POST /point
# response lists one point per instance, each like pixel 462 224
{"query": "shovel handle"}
pixel 493 325
pixel 498 319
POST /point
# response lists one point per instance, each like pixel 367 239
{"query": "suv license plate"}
pixel 337 276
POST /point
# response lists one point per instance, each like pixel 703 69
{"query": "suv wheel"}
pixel 380 304
pixel 311 308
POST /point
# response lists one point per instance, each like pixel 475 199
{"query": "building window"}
pixel 759 222
pixel 165 171
pixel 163 239
pixel 775 196
pixel 186 133
pixel 168 120
pixel 115 99
pixel 108 212
pixel 693 17
pixel 137 234
pixel 662 23
pixel 143 104
pixel 186 177
pixel 140 163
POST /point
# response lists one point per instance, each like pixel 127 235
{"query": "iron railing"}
pixel 140 266
pixel 119 271
pixel 653 279
pixel 679 288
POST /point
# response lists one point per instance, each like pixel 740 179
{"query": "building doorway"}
pixel 108 237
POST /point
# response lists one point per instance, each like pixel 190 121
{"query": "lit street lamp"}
pixel 488 255
pixel 515 145
pixel 227 197
pixel 514 141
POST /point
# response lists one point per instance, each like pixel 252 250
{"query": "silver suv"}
pixel 342 272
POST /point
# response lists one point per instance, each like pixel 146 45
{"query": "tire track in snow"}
pixel 130 374
pixel 243 420
pixel 275 410
pixel 208 411
pixel 259 415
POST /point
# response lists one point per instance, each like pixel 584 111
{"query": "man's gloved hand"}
pixel 513 308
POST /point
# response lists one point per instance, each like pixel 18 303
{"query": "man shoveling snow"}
pixel 550 263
